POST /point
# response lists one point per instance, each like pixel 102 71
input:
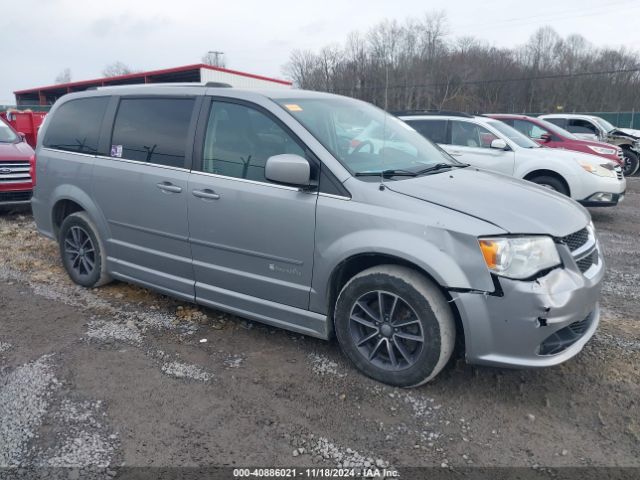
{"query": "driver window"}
pixel 531 130
pixel 466 134
pixel 240 139
pixel 581 126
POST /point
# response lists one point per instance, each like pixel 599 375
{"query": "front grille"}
pixel 576 240
pixel 618 170
pixel 565 337
pixel 586 262
pixel 14 172
pixel 15 196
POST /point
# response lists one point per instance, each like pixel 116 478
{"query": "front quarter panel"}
pixel 440 241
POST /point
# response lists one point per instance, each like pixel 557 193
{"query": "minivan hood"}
pixel 514 205
pixel 15 151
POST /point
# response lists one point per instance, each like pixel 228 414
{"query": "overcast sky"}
pixel 42 37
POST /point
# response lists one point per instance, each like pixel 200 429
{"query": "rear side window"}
pixel 560 122
pixel 152 130
pixel 75 126
pixel 434 130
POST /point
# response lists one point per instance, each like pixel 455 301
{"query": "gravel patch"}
pixel 322 448
pixel 5 347
pixel 234 361
pixel 107 331
pixel 625 345
pixel 85 441
pixel 83 450
pixel 25 395
pixel 184 370
pixel 620 284
pixel 323 366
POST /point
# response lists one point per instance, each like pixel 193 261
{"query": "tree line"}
pixel 418 65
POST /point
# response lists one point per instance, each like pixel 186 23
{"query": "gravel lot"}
pixel 123 376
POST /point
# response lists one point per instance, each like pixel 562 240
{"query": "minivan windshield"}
pixel 7 135
pixel 366 139
pixel 512 134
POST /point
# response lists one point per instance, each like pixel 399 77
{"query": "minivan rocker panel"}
pixel 395 259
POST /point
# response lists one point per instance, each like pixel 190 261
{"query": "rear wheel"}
pixel 631 163
pixel 81 250
pixel 552 183
pixel 395 325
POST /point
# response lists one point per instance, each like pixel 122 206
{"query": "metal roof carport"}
pixel 199 73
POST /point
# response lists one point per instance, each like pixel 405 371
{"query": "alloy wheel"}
pixel 80 251
pixel 386 330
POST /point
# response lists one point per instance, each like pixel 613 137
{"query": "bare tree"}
pixel 64 76
pixel 117 68
pixel 416 64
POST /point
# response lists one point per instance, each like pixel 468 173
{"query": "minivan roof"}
pixel 200 89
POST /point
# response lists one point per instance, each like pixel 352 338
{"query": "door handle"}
pixel 169 187
pixel 206 194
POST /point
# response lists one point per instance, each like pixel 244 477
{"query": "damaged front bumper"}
pixel 536 323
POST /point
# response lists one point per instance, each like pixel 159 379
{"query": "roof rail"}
pixel 164 84
pixel 450 113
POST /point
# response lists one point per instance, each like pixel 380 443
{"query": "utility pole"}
pixel 217 55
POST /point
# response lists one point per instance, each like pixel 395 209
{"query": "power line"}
pixel 548 17
pixel 495 80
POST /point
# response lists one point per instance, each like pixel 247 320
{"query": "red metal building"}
pixel 199 73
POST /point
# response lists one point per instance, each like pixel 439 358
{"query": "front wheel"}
pixel 81 250
pixel 552 183
pixel 631 163
pixel 395 325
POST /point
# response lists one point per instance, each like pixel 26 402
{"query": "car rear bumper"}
pixel 536 323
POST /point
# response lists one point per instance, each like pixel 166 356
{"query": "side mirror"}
pixel 22 136
pixel 545 138
pixel 498 144
pixel 288 168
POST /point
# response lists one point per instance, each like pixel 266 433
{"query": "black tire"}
pixel 551 183
pixel 419 310
pixel 82 251
pixel 631 163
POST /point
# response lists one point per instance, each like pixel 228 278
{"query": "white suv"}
pixel 493 145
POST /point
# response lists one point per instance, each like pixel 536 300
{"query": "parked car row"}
pixel 489 143
pixel 590 127
pixel 330 217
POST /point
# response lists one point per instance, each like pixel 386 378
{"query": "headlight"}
pixel 600 170
pixel 519 257
pixel 602 150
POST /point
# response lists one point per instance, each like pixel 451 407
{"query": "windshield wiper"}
pixel 388 173
pixel 440 166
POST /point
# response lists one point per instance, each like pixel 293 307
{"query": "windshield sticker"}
pixel 292 107
pixel 116 151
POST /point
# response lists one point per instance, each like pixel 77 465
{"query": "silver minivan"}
pixel 276 206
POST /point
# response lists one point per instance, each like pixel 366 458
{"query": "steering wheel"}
pixel 361 145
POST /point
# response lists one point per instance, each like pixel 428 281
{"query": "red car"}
pixel 549 135
pixel 17 168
